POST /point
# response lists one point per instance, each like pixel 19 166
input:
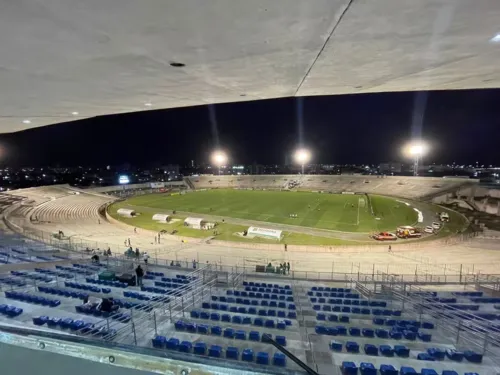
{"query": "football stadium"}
pixel 251 274
pixel 333 298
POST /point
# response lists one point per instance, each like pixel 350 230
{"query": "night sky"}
pixel 461 126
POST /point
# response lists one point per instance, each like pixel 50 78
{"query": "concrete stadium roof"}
pixel 62 60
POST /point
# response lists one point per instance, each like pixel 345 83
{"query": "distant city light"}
pixel 74 113
pixel 26 122
pixel 123 179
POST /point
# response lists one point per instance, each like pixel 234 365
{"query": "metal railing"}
pixel 480 333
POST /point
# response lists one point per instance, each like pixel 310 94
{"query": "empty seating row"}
pixel 171 286
pixel 357 310
pixel 175 281
pixel 365 368
pixel 255 302
pixel 62 292
pixel 238 293
pixel 75 325
pixel 328 289
pixel 64 275
pixel 411 325
pixel 90 288
pixel 216 351
pixel 265 285
pixel 32 277
pixel 485 300
pixel 268 290
pixel 10 311
pixel 436 354
pixel 385 350
pixel 250 310
pixel 396 334
pixel 229 333
pixel 116 284
pixel 94 267
pixel 144 297
pixel 468 294
pixel 25 297
pixel 155 274
pixel 334 294
pixel 12 281
pixel 345 301
pixel 236 319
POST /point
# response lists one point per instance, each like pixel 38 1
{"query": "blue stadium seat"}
pixel 247 355
pixel 225 318
pixel 382 333
pixel 386 350
pixel 371 349
pixel 200 348
pixel 195 314
pixel 281 340
pixel 406 370
pixel 185 347
pixel 159 342
pixel 472 356
pixel 269 323
pixel 179 325
pixel 449 372
pixel 279 359
pixel 401 351
pixel 232 353
pixel 191 327
pixel 368 332
pixel 409 335
pixel 388 370
pixel 354 331
pixel 258 322
pixel 367 368
pixel 240 335
pixel 336 346
pixel 229 333
pixel 203 329
pixel 454 355
pixel 349 368
pixel 40 320
pixel 424 357
pixel 262 358
pixel 292 315
pixel 215 351
pixel 428 371
pixel 352 347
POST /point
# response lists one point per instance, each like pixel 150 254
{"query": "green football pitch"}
pixel 346 213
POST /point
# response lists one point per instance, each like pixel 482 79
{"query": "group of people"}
pixel 284 268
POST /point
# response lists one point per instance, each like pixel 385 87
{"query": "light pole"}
pixel 302 156
pixel 416 150
pixel 219 158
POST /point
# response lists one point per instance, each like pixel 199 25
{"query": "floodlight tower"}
pixel 219 158
pixel 302 156
pixel 416 151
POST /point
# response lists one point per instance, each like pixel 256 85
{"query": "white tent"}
pixel 194 222
pixel 265 232
pixel 126 212
pixel 161 217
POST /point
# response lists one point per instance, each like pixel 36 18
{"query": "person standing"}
pixel 288 267
pixel 139 272
pixel 145 257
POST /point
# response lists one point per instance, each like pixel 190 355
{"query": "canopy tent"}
pixel 265 232
pixel 194 222
pixel 161 217
pixel 126 212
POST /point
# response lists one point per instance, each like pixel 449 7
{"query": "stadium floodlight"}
pixel 219 158
pixel 416 150
pixel 302 156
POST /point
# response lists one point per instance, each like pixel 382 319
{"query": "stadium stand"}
pixel 409 187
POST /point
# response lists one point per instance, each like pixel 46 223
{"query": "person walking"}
pixel 288 267
pixel 129 241
pixel 145 256
pixel 139 273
